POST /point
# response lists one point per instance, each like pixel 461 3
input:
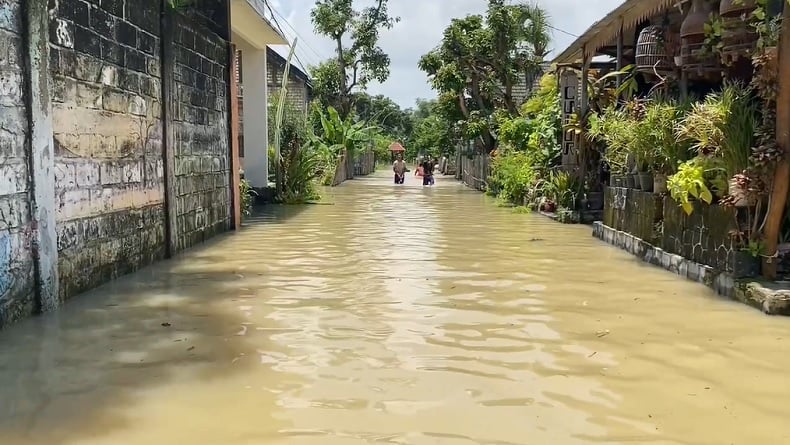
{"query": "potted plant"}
pixel 701 178
pixel 661 118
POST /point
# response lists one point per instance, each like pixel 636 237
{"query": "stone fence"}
pixel 114 130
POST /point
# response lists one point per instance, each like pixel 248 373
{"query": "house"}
pixel 252 33
pixel 300 86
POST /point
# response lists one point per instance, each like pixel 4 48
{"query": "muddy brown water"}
pixel 398 315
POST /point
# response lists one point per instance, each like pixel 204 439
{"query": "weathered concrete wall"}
pixel 108 136
pixel 17 290
pixel 112 178
pixel 200 125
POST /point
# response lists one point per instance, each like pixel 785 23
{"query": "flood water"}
pixel 398 315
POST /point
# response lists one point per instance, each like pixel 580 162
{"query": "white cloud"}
pixel 420 29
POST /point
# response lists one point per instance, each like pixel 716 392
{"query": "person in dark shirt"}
pixel 427 168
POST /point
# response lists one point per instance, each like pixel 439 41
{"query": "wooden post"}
pixel 235 164
pixel 781 183
pixel 620 54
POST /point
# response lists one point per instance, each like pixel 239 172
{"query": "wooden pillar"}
pixel 781 183
pixel 584 104
pixel 235 163
pixel 620 54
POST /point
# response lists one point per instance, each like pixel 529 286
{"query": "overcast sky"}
pixel 420 30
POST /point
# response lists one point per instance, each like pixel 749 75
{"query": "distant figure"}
pixel 419 171
pixel 399 168
pixel 427 172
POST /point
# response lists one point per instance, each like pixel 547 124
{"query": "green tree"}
pixel 480 60
pixel 385 113
pixel 358 58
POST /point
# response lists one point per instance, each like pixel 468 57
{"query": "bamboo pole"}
pixel 781 183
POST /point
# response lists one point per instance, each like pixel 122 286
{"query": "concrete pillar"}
pixel 41 154
pixel 256 122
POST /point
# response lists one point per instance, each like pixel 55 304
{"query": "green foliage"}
pixel 359 59
pixel 696 178
pixel 337 136
pixel 479 61
pixel 247 194
pixel 613 127
pixel 384 113
pixel 659 123
pixel 562 187
pixel 538 128
pixel 512 176
pixel 723 125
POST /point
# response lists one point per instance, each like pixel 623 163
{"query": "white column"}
pixel 256 122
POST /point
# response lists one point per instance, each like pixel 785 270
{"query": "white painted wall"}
pixel 256 126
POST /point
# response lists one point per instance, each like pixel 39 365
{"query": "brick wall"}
pixel 107 127
pixel 16 261
pixel 200 125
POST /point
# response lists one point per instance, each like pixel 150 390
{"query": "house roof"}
pixel 294 70
pixel 604 32
pixel 396 146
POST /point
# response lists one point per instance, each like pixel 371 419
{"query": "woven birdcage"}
pixel 653 51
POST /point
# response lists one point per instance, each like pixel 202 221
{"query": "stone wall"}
pixel 137 114
pixel 634 212
pixel 702 237
pixel 16 259
pixel 200 129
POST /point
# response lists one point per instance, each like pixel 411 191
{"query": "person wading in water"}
pixel 399 167
pixel 427 172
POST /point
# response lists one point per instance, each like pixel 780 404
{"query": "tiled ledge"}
pixel 770 298
pixel 721 282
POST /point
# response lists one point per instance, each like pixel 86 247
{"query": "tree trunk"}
pixel 781 182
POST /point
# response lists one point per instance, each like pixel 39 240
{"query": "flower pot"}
pixel 740 197
pixel 659 183
pixel 744 265
pixel 633 181
pixel 646 181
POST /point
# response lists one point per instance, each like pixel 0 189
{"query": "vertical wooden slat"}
pixel 235 163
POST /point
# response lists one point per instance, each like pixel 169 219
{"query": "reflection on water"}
pixel 398 315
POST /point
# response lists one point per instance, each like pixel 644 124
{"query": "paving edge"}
pixel 770 298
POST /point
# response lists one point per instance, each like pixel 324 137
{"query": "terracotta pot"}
pixel 740 197
pixel 735 8
pixel 694 23
pixel 659 183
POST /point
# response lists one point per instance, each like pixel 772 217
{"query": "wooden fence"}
pixel 347 168
pixel 473 171
pixel 365 164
